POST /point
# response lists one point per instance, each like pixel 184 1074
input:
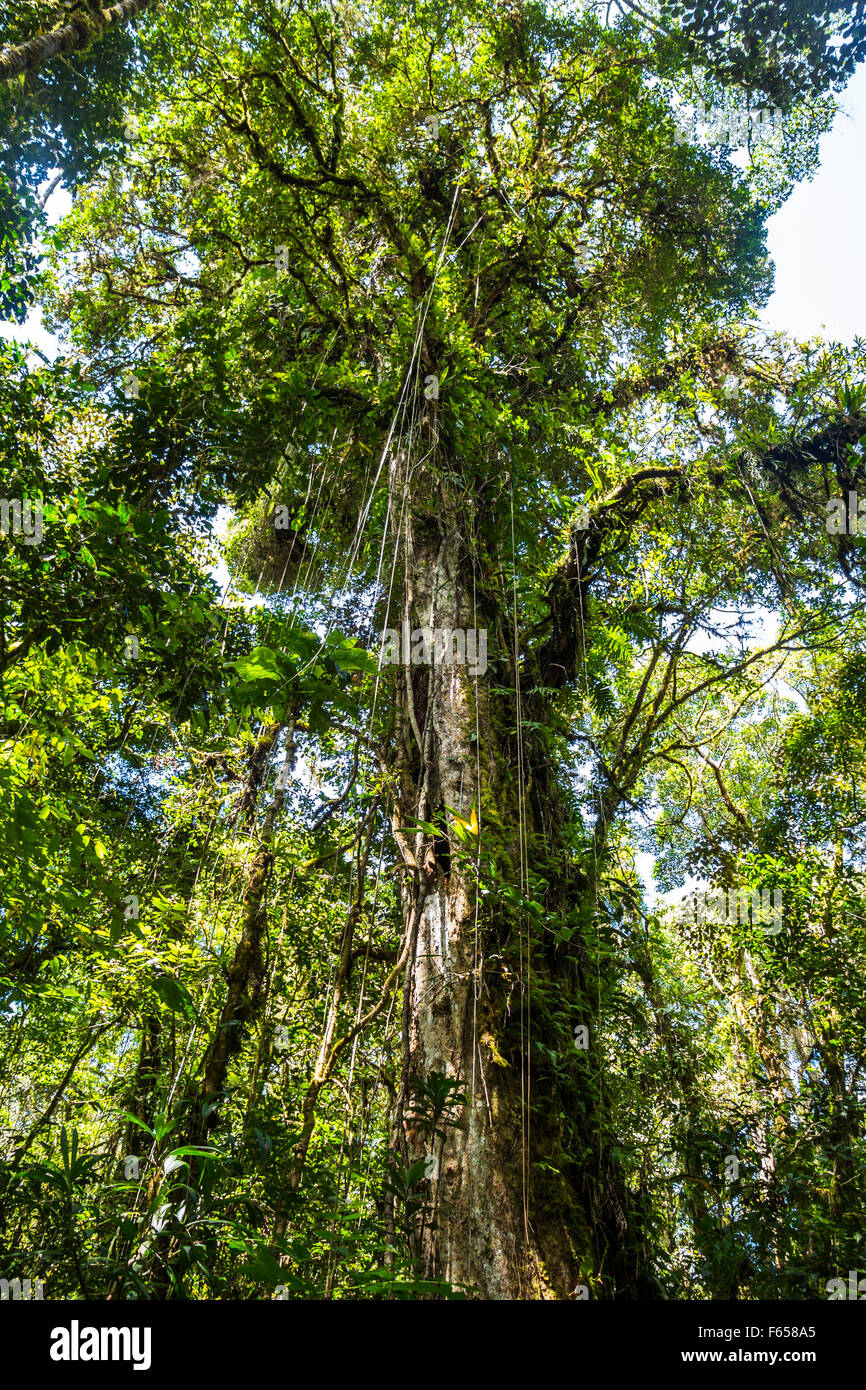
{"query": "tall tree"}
pixel 460 323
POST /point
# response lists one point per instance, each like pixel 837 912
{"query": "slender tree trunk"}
pixel 140 1100
pixel 80 33
pixel 246 976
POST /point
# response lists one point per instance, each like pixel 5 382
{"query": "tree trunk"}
pixel 246 976
pixel 515 1214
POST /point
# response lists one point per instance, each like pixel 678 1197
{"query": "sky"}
pixel 815 239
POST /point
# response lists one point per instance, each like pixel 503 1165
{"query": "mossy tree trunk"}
pixel 523 1200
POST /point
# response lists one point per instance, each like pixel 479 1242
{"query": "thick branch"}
pixel 69 38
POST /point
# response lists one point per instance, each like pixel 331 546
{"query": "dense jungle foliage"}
pixel 324 976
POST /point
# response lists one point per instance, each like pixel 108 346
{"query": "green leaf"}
pixel 175 996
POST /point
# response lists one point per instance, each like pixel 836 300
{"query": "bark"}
pixel 843 1131
pixel 143 1089
pixel 520 1209
pixel 480 1237
pixel 68 38
pixel 245 994
pixel 246 976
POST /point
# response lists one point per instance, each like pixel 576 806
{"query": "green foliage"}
pixel 207 978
